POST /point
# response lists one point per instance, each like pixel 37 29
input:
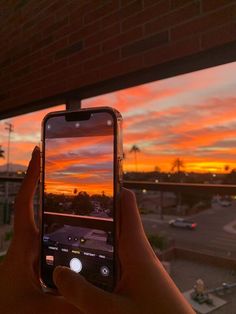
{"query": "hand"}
pixel 20 290
pixel 144 288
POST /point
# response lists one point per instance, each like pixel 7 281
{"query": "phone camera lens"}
pixel 105 271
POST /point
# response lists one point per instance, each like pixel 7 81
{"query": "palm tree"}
pixel 177 164
pixel 226 168
pixel 135 149
pixel 2 152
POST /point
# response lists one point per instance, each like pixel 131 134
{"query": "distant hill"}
pixel 13 167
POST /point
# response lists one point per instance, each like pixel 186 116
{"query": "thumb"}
pixel 82 294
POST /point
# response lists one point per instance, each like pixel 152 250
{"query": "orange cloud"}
pixel 132 98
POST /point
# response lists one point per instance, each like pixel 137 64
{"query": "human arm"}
pixel 20 290
pixel 144 287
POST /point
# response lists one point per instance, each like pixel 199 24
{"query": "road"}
pixel 209 235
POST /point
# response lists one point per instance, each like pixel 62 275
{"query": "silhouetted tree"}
pixel 82 204
pixel 2 152
pixel 226 168
pixel 177 164
pixel 52 202
pixel 135 149
pixel 230 178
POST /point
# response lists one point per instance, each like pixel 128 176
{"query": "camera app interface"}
pixel 78 198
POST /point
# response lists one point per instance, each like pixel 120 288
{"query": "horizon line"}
pixel 79 216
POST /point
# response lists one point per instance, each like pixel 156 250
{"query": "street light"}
pixel 9 128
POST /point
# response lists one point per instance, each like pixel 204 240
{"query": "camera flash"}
pixel 77 125
pixel 49 127
pixel 109 122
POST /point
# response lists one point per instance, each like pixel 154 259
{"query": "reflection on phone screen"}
pixel 78 206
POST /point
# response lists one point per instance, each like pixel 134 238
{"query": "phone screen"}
pixel 78 227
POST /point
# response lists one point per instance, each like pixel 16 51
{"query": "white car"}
pixel 182 223
pixel 225 202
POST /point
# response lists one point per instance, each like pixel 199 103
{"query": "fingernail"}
pixel 36 149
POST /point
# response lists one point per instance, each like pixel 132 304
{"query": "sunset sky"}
pixel 76 159
pixel 192 117
pixel 70 166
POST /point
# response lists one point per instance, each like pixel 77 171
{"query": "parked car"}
pixel 225 201
pixel 182 223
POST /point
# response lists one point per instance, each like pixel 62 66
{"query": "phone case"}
pixel 118 158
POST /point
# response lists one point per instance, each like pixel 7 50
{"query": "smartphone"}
pixel 81 177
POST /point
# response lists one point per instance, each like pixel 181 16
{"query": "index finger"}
pixel 24 214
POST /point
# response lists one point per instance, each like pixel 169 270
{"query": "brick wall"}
pixel 53 46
